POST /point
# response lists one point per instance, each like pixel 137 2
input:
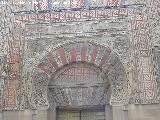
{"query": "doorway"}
pixel 81 114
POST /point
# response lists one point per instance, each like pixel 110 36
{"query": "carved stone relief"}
pixel 88 52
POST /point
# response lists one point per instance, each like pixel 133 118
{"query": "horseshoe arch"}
pixel 98 56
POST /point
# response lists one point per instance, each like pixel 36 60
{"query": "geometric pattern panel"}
pixel 70 4
pixel 80 15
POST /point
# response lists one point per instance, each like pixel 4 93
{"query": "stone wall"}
pixel 143 112
pixel 131 31
pixel 17 115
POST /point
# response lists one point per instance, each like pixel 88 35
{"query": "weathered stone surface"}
pixel 122 40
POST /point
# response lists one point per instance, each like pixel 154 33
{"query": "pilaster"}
pixel 120 111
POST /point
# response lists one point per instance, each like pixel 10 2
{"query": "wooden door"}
pixel 92 115
pixel 68 115
pixel 81 115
